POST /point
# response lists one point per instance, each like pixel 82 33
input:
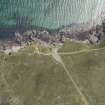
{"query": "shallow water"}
pixel 49 13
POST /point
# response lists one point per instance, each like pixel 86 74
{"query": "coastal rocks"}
pixel 18 38
pixel 103 24
pixel 95 34
pixel 43 35
pixel 83 33
pixel 93 39
pixel 33 35
pixel 10 47
pixel 77 33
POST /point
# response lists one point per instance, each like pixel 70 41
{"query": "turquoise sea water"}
pixel 49 13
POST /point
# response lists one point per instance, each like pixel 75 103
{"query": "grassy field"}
pixel 32 79
pixel 35 80
pixel 71 46
pixel 88 71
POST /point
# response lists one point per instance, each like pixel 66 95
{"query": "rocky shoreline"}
pixel 76 32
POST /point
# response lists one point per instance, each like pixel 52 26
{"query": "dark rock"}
pixel 103 25
pixel 18 38
pixel 79 32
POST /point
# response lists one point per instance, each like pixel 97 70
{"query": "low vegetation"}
pixel 31 79
pixel 88 70
pixel 34 80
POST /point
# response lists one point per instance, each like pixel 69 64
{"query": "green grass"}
pixel 70 46
pixel 88 70
pixel 40 80
pixel 36 80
